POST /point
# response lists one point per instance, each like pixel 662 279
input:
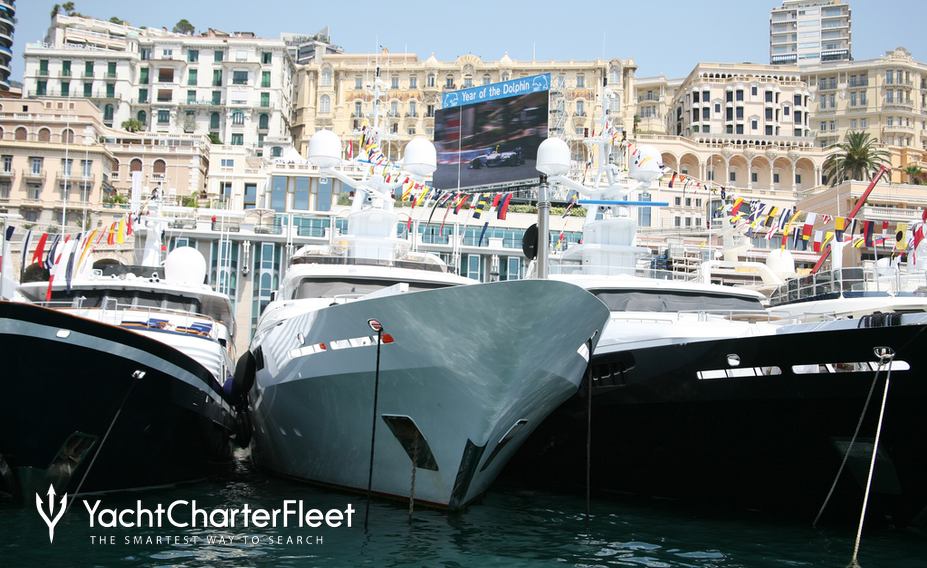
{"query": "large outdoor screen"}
pixel 490 134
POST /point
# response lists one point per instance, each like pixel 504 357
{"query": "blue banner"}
pixel 515 87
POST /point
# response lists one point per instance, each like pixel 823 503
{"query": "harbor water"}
pixel 508 527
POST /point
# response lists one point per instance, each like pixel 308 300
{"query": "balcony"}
pixel 75 179
pixel 6 175
pixel 905 105
pixel 33 175
pixel 65 74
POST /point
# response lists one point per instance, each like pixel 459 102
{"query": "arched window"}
pixel 21 133
pixel 326 80
pixel 142 117
pixel 67 136
pixel 431 80
pixel 44 135
pixel 486 79
pixel 135 165
pixel 238 118
pixel 159 167
pixel 325 104
pixel 264 121
pixel 214 121
pixel 108 112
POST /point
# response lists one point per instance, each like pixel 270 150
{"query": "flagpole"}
pixel 67 165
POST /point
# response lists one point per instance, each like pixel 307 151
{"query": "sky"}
pixel 663 37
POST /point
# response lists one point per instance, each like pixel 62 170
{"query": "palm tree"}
pixel 915 173
pixel 184 27
pixel 68 8
pixel 856 158
pixel 132 125
pixel 55 9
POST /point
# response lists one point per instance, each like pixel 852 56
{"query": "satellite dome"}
pixel 646 164
pixel 185 265
pixel 420 158
pixel 325 149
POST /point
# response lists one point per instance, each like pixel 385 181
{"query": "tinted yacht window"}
pixel 331 287
pixel 668 301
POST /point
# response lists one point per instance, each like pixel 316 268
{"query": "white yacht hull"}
pixel 466 365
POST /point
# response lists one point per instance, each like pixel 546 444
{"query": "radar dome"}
pixel 646 164
pixel 781 262
pixel 420 157
pixel 325 149
pixel 553 157
pixel 185 265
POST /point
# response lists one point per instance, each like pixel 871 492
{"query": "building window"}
pixel 413 81
pixel 325 104
pixel 166 75
pixel 775 177
pixel 217 56
pixel 754 124
pixel 35 165
pixel 265 99
pixel 41 88
pixel 66 167
pixel 797 178
pixel 110 90
pixel 449 82
pixel 267 57
pixel 265 79
pixel 214 121
pixel 217 77
pixel 250 196
pixel 430 111
pixel 65 88
pixel 732 177
pixel 192 77
pixel 769 130
pixel 239 77
pixel 238 139
pixel 142 117
pixel 88 89
pixel 108 113
pixel 165 95
pixel 217 97
pixel 43 67
pixel 238 118
pixel 677 221
pixel 486 79
pixel 677 201
pixel 263 121
pixel 326 79
pixel 431 80
pixel 580 108
pixel 753 177
pixel 143 95
pixel 580 81
pixel 164 117
pixel 394 82
pixel 7 164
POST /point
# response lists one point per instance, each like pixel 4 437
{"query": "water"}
pixel 509 527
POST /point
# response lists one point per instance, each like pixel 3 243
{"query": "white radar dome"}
pixel 420 157
pixel 325 149
pixel 185 265
pixel 646 164
pixel 553 157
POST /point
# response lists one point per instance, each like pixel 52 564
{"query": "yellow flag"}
pixel 121 232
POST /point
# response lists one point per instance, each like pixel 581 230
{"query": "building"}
pixel 305 48
pixel 335 91
pixel 740 126
pixel 233 87
pixel 52 159
pixel 7 26
pixel 173 164
pixel 886 97
pixel 806 32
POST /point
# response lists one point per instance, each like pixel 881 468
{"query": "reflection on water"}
pixel 508 528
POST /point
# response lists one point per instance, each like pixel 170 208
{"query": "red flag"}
pixel 495 200
pixel 129 225
pixel 672 179
pixel 461 203
pixel 504 208
pixel 39 249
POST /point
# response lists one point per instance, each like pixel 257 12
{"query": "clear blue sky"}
pixel 662 36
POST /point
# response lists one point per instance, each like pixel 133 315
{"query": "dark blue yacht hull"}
pixel 90 405
pixel 772 438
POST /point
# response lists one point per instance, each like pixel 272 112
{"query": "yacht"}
pixel 376 369
pixel 117 378
pixel 699 393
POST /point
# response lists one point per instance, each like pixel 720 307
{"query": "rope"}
pixel 112 422
pixel 414 467
pixel 854 562
pixel 373 427
pixel 846 455
pixel 588 430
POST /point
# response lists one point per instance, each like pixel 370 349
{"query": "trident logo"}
pixel 51 519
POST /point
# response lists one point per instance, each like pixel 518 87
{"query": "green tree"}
pixel 856 158
pixel 915 174
pixel 55 9
pixel 184 27
pixel 68 8
pixel 132 125
pixel 214 138
pixel 117 20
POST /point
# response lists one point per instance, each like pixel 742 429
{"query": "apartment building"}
pixel 807 32
pixel 235 88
